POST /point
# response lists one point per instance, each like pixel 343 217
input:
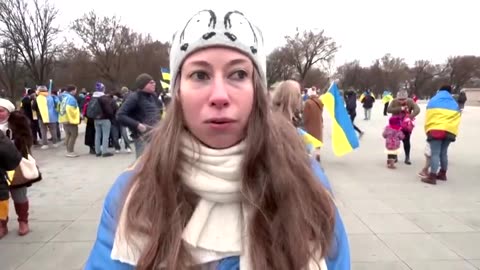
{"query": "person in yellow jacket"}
pixel 70 118
pixel 387 97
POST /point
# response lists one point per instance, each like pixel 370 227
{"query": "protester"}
pixel 441 126
pixel 46 107
pixel 31 114
pixel 16 125
pixel 350 98
pixel 462 99
pixel 9 160
pixel 287 100
pixel 70 118
pixel 313 118
pixel 101 108
pixel 407 109
pixel 393 136
pixel 225 183
pixel 90 125
pixel 386 99
pixel 141 111
pixel 367 99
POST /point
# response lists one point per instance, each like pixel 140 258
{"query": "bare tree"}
pixel 316 77
pixel 32 33
pixel 107 40
pixel 278 66
pixel 10 68
pixel 461 70
pixel 308 49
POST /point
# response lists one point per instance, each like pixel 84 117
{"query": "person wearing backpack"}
pixel 100 108
pixel 367 99
pixel 351 106
pixel 462 99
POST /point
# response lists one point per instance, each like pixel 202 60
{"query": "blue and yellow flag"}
pixel 310 141
pixel 344 138
pixel 443 113
pixel 164 85
pixel 165 74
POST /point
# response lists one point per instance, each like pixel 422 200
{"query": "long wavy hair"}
pixel 287 100
pixel 292 214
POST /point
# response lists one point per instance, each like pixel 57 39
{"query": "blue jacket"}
pixel 99 258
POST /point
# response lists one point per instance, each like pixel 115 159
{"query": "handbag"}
pixel 26 173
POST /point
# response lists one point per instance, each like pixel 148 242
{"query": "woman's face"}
pixel 4 113
pixel 216 93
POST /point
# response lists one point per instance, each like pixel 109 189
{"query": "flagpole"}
pixel 50 87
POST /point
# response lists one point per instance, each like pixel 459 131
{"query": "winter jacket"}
pixel 10 158
pixel 368 101
pixel 393 138
pixel 313 118
pixel 140 107
pixel 107 105
pixel 395 107
pixel 99 259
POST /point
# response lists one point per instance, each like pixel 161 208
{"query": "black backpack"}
pixel 94 110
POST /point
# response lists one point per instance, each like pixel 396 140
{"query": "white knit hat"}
pixel 7 104
pixel 209 28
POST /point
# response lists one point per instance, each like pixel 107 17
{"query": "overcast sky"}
pixel 365 30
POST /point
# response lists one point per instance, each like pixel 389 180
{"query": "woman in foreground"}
pixel 225 184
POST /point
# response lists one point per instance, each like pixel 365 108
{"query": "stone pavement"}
pixel 394 221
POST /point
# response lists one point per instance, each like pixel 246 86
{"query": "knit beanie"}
pixel 395 122
pixel 209 28
pixel 99 87
pixel 7 104
pixel 402 94
pixel 142 80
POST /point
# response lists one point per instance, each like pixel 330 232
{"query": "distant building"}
pixel 473 96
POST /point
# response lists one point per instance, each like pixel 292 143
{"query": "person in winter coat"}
pixel 141 111
pixel 442 121
pixel 225 182
pixel 46 106
pixel 313 118
pixel 90 126
pixel 407 109
pixel 101 108
pixel 9 160
pixel 17 128
pixel 367 99
pixel 70 118
pixel 350 98
pixel 393 136
pixel 386 99
pixel 462 99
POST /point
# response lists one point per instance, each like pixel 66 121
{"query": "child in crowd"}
pixel 428 153
pixel 393 137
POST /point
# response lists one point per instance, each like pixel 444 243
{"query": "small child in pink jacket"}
pixel 393 139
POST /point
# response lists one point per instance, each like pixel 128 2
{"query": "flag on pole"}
pixel 344 138
pixel 164 85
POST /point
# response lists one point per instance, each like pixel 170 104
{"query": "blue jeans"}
pixel 139 146
pixel 439 150
pixel 102 134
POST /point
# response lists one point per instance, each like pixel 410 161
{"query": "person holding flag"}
pixel 442 121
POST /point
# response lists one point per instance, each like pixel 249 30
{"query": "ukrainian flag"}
pixel 309 140
pixel 344 138
pixel 165 74
pixel 164 85
pixel 443 113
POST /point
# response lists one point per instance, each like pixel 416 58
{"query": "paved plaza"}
pixel 394 221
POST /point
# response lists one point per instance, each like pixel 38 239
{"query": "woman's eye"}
pixel 239 75
pixel 199 75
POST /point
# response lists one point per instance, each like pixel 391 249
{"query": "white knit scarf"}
pixel 217 228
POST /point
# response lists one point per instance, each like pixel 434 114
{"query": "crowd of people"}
pixel 230 183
